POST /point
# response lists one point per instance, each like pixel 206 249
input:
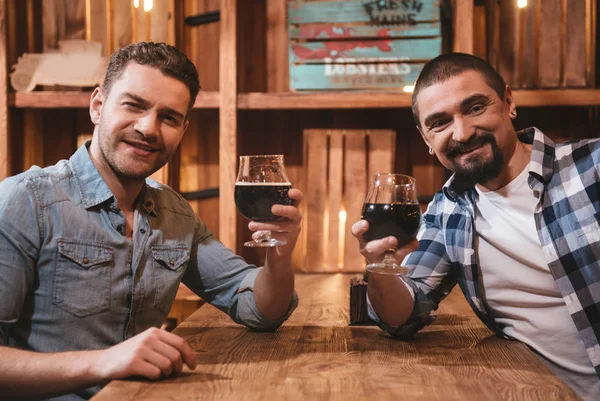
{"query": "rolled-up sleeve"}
pixel 226 281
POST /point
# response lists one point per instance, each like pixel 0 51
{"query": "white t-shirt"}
pixel 518 287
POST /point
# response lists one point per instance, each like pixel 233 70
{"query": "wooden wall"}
pixel 263 67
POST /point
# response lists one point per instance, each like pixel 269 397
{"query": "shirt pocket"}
pixel 169 264
pixel 82 275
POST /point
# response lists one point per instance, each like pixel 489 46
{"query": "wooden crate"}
pixel 361 44
pixel 547 44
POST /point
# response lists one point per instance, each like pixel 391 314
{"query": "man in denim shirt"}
pixel 516 226
pixel 92 253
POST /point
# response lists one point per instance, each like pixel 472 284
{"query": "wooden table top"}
pixel 315 355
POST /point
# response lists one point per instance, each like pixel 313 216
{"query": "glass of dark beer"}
pixel 392 209
pixel 261 183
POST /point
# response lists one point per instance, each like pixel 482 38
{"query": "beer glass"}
pixel 392 209
pixel 261 183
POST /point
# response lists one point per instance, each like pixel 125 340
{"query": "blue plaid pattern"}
pixel 566 180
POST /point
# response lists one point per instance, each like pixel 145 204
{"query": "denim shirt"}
pixel 70 279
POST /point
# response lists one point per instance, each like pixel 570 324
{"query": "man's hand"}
pixel 153 354
pixel 373 251
pixel 287 228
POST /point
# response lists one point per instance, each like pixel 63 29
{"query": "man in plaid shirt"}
pixel 516 226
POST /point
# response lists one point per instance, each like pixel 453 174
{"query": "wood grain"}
pixel 227 123
pixel 463 26
pixel 549 65
pixel 315 355
pixel 335 201
pixel 278 76
pixel 4 136
pixel 575 58
pixel 315 143
pixel 355 190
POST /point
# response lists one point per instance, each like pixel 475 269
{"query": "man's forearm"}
pixel 390 299
pixel 274 287
pixel 32 374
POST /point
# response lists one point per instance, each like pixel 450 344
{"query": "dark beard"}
pixel 477 170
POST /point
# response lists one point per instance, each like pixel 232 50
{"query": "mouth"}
pixel 473 151
pixel 141 148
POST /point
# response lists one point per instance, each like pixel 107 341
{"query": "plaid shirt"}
pixel 565 179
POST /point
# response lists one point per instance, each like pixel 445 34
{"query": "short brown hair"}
pixel 446 66
pixel 168 59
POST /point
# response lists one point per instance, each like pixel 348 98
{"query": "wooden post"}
pixel 463 26
pixel 4 138
pixel 227 123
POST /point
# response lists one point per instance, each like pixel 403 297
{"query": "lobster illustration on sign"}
pixel 337 48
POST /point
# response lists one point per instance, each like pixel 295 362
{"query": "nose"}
pixel 147 125
pixel 462 130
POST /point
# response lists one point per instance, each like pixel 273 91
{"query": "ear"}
pixel 424 137
pixel 186 124
pixel 510 103
pixel 96 102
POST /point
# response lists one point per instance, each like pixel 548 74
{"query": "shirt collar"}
pixel 92 187
pixel 540 167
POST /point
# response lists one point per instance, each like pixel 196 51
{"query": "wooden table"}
pixel 315 355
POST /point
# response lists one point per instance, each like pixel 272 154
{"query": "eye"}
pixel 477 108
pixel 170 119
pixel 131 105
pixel 438 125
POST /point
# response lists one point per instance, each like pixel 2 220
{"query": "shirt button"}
pixel 148 204
pixel 86 261
pixel 143 231
pixel 171 262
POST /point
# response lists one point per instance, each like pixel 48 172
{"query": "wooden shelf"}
pixel 390 99
pixel 314 100
pixel 81 100
pixel 556 97
pixel 323 100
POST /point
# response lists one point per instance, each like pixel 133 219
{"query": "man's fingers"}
pixel 170 353
pixel 188 355
pixel 160 361
pixel 296 196
pixel 360 228
pixel 379 246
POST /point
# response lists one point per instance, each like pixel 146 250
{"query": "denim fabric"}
pixel 70 279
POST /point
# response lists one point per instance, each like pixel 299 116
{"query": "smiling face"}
pixel 139 122
pixel 468 126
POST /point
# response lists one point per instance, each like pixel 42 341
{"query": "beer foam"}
pixel 262 184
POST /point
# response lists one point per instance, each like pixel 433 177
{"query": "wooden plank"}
pixel 315 142
pixel 508 58
pixel 576 60
pixel 334 251
pixel 320 100
pixel 96 28
pixel 463 26
pixel 80 99
pixel 355 76
pixel 300 12
pixel 329 31
pixel 4 137
pixel 278 78
pixel 355 190
pixel 33 139
pixel 529 35
pixel 382 148
pixel 227 123
pixel 159 17
pixel 122 24
pixel 492 31
pixel 549 65
pixel 366 50
pixel 479 31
